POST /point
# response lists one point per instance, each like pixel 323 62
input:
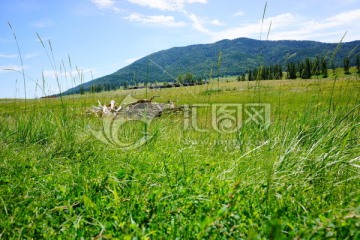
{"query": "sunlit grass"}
pixel 299 178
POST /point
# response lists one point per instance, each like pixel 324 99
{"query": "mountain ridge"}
pixel 238 56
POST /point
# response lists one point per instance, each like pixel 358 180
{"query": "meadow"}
pixel 297 178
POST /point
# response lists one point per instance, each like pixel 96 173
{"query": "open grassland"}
pixel 297 178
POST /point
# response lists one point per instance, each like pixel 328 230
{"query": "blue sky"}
pixel 101 36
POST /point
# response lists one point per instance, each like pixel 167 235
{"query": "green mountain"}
pixel 238 56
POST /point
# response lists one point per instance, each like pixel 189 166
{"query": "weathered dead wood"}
pixel 133 110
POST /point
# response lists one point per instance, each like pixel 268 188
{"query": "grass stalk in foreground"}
pixel 21 61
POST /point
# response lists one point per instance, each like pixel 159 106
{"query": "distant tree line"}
pixel 189 78
pixel 273 72
pixel 308 68
pixel 103 87
pixel 305 69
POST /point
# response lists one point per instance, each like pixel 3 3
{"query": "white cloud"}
pixel 343 19
pixel 157 4
pixel 198 24
pixel 253 30
pixel 196 1
pixel 329 29
pixel 131 60
pixel 283 26
pixel 42 23
pixel 31 55
pixel 239 14
pixel 103 3
pixel 293 27
pixel 216 22
pixel 166 5
pixel 106 4
pixel 2 55
pixel 172 5
pixel 157 20
pixel 10 68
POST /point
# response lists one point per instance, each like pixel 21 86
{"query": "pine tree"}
pixel 250 77
pixel 270 73
pixel 301 69
pixel 291 71
pixel 307 69
pixel 316 67
pixel 278 72
pixel 358 63
pixel 324 70
pixel 346 65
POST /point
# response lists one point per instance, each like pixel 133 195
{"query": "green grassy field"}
pixel 297 178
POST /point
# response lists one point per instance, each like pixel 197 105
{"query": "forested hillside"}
pixel 223 58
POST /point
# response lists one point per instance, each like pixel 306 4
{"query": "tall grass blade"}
pixel 21 60
pixel 262 20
